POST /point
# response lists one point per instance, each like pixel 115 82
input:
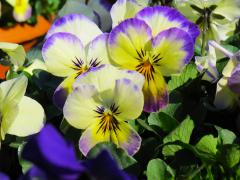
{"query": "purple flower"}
pixel 4 176
pixel 54 158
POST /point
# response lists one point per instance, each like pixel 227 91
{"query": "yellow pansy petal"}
pixel 185 8
pixel 124 136
pixel 230 9
pixel 124 9
pixel 224 97
pixel 174 48
pixel 228 69
pixel 29 118
pixel 80 105
pixel 129 107
pixel 63 53
pixel 127 41
pixel 220 32
pixel 103 82
pixel 128 138
pixel 12 92
pixel 97 51
pixel 155 92
pixel 16 52
pixel 91 136
pixel 76 24
pixel 22 13
pixel 63 90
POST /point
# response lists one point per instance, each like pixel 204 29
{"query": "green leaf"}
pixel 207 146
pixel 122 158
pixel 171 109
pixel 229 155
pixel 26 165
pixel 163 121
pixel 158 169
pixel 146 126
pixel 230 48
pixel 181 133
pixel 225 136
pixel 190 72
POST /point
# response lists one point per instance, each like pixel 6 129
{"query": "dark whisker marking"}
pixel 94 62
pixel 139 55
pixel 147 72
pixel 100 110
pixel 143 52
pixel 78 62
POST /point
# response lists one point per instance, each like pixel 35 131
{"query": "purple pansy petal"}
pixel 97 51
pixel 62 91
pixel 105 167
pixel 234 80
pixel 76 24
pixel 50 152
pixel 4 176
pixel 35 173
pixel 60 96
pixel 160 18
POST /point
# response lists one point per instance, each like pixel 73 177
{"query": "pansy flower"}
pixel 207 64
pixel 124 9
pixel 228 89
pixel 74 45
pixel 158 42
pixel 101 101
pixel 227 92
pixel 220 16
pixel 21 9
pixel 54 158
pixel 19 114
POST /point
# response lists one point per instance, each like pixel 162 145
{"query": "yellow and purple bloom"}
pixel 101 101
pixel 21 9
pixel 74 45
pixel 158 42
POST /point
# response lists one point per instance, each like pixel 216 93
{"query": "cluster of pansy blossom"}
pixel 111 78
pixel 216 18
pixel 227 92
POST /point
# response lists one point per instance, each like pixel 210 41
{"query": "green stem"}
pixel 204 33
pixel 198 170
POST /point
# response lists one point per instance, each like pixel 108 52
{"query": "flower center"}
pixel 80 67
pixel 147 61
pixel 108 121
